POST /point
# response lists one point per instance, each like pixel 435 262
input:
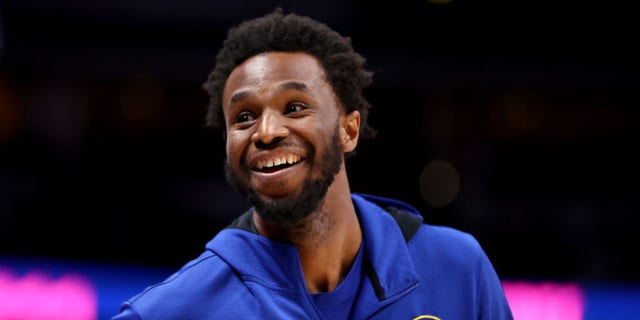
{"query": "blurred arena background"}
pixel 516 122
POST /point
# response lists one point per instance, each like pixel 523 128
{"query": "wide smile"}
pixel 277 163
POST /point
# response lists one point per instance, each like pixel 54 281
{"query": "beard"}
pixel 290 210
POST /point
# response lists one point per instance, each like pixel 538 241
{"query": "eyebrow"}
pixel 295 85
pixel 239 96
pixel 292 85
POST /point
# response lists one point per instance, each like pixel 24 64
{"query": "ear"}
pixel 350 131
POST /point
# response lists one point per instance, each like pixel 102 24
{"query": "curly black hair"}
pixel 276 31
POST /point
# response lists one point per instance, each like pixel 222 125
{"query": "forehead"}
pixel 276 67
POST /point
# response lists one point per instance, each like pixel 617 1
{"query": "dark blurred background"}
pixel 513 121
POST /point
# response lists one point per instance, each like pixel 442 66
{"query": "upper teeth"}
pixel 290 159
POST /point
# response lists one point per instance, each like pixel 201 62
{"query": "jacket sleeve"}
pixel 492 301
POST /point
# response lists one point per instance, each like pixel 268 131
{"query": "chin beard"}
pixel 292 209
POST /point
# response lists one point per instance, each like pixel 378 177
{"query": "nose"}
pixel 271 127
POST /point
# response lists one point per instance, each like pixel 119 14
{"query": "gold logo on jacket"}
pixel 426 317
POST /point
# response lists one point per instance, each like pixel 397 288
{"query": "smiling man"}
pixel 287 94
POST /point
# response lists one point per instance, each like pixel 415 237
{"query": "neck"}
pixel 328 253
pixel 327 240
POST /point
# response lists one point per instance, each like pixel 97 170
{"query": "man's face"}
pixel 283 144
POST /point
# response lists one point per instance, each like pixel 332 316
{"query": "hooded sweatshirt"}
pixel 413 270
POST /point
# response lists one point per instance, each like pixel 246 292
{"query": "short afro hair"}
pixel 277 31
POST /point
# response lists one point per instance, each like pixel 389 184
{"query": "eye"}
pixel 244 117
pixel 293 107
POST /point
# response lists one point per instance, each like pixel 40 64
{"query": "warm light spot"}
pixel 439 183
pixel 142 99
pixel 11 116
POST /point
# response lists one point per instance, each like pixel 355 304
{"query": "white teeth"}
pixel 289 158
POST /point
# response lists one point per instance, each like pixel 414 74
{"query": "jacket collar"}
pixel 388 263
pixel 390 267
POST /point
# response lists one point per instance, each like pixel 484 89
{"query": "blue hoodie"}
pixel 414 271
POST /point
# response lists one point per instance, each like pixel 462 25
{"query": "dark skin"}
pixel 278 107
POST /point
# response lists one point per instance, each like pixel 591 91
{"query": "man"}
pixel 287 92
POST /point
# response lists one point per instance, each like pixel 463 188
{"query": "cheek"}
pixel 231 154
pixel 234 146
